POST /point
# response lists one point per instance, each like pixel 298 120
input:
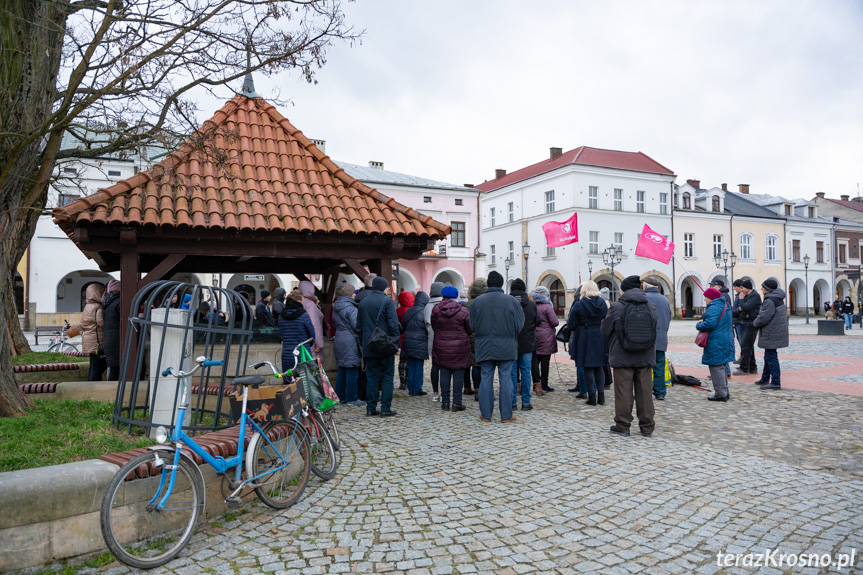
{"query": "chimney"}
pixel 724 187
pixel 858 199
pixel 744 188
pixel 845 197
pixel 554 152
pixel 320 144
pixel 820 195
pixel 467 185
pixel 694 183
pixel 499 173
pixel 376 165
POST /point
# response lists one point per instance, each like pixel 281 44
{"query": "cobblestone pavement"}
pixel 431 492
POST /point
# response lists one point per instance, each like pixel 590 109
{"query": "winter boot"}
pixel 600 398
pixel 591 399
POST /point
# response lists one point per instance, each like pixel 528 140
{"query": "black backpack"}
pixel 636 329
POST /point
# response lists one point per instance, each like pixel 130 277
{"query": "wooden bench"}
pixel 49 330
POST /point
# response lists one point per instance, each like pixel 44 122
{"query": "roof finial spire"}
pixel 248 89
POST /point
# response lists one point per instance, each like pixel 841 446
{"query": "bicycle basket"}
pixel 269 403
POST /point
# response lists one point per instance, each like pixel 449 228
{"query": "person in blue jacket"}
pixel 295 326
pixel 716 321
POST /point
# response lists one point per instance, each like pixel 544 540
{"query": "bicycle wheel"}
pixel 287 471
pixel 323 460
pixel 330 426
pixel 134 531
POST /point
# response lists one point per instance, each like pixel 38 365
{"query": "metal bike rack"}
pixel 161 334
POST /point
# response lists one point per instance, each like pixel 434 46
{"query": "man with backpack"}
pixel 630 328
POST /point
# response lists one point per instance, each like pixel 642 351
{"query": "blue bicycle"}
pixel 154 501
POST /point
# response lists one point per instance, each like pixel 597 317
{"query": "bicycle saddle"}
pixel 253 380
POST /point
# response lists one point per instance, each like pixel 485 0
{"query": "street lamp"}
pixel 722 260
pixel 806 295
pixel 590 269
pixel 525 250
pixel 611 256
pixel 506 263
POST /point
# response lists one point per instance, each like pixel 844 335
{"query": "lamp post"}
pixel 806 295
pixel 722 260
pixel 590 269
pixel 506 263
pixel 611 256
pixel 525 250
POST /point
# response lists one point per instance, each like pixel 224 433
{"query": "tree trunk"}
pixel 17 342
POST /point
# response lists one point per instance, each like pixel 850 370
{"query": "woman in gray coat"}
pixel 772 326
pixel 345 345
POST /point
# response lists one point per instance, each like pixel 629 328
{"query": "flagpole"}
pixel 689 274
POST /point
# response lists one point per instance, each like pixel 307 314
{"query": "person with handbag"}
pixel 92 331
pixel 715 335
pixel 346 345
pixel 378 325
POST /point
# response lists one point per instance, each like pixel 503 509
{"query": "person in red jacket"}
pixel 451 347
pixel 406 301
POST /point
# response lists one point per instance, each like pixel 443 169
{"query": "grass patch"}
pixel 43 357
pixel 58 432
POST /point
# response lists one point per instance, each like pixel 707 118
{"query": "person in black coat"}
pixel 747 311
pixel 416 343
pixel 263 314
pixel 848 310
pixel 378 310
pixel 111 329
pixel 588 346
pixel 526 344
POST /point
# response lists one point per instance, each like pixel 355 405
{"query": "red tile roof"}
pixel 857 206
pixel 256 171
pixel 584 156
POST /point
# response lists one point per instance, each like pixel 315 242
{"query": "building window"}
pixel 427 199
pixel 510 212
pixel 456 238
pixel 593 197
pixel 842 258
pixel 717 245
pixel 593 245
pixel 72 171
pixel 618 200
pixel 459 202
pixel 770 249
pixel 714 204
pixel 493 256
pixel 549 202
pixel 688 245
pixel 65 199
pixel 687 204
pixel 795 250
pixel 811 212
pixel 114 173
pixel 549 252
pixel 511 247
pixel 618 241
pixel 745 246
pixel 491 216
pixel 787 210
pixel 819 252
pixel 663 203
pixel 640 201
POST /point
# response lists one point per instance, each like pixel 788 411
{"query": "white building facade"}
pixel 614 193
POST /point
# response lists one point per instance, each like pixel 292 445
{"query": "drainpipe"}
pixel 673 263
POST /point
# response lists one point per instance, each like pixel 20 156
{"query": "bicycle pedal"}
pixel 233 502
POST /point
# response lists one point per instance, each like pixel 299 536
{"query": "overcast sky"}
pixel 768 93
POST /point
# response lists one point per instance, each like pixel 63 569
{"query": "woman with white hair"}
pixel 588 349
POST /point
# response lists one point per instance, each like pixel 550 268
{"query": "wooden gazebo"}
pixel 248 192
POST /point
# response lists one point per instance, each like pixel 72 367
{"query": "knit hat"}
pixel 631 282
pixel 380 284
pixel 718 282
pixel 518 285
pixel 770 284
pixel 346 289
pixel 113 285
pixel 265 294
pixel 746 284
pixel 712 293
pixel 605 293
pixel 449 292
pixel 495 280
pixel 434 290
pixel 542 290
pixel 737 283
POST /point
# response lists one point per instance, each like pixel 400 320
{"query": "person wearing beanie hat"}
pixel 719 349
pixel 663 316
pixel 496 319
pixel 772 326
pixel 546 337
pixel 263 313
pixel 526 346
pixel 345 346
pixel 111 329
pixel 377 310
pixel 451 351
pixel 477 288
pixel 747 311
pixel 630 329
pixel 434 298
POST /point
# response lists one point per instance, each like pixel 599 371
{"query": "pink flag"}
pixel 561 233
pixel 654 246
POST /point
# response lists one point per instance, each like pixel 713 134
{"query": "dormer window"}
pixel 811 211
pixel 714 204
pixel 687 203
pixel 787 209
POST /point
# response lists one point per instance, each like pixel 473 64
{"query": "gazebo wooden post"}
pixel 129 277
pixel 386 272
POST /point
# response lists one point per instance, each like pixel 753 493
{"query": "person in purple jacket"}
pixel 451 347
pixel 546 338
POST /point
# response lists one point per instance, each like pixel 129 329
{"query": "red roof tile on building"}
pixel 248 168
pixel 584 156
pixel 856 206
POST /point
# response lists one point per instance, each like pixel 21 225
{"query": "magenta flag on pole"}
pixel 654 246
pixel 561 233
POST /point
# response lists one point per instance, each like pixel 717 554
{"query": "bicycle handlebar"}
pixel 261 364
pixel 201 361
